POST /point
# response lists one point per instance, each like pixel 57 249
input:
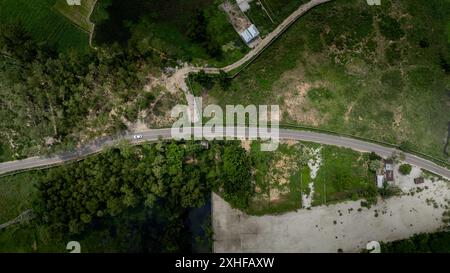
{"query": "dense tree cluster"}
pixel 422 243
pixel 199 33
pixel 175 176
pixel 44 94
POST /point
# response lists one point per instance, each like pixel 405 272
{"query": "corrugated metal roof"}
pixel 253 31
pixel 249 34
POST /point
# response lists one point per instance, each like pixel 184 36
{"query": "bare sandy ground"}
pixel 329 228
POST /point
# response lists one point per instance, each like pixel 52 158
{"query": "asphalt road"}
pixel 285 134
pixel 152 135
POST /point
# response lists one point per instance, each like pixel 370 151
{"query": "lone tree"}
pixel 405 169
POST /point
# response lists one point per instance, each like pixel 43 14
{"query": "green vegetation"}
pixel 236 174
pixel 279 177
pixel 405 169
pixel 139 199
pixel 5 152
pixel 192 31
pixel 77 14
pixel 59 99
pixel 448 31
pixel 44 23
pixel 268 14
pixel 342 67
pixel 16 195
pixel 343 175
pixel 283 178
pixel 422 243
pixel 132 199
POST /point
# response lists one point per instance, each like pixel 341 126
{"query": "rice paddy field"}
pixel 45 22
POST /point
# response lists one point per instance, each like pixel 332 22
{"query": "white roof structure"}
pixel 249 34
pixel 380 181
pixel 389 167
pixel 74 2
pixel 244 5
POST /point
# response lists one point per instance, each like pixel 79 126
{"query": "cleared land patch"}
pixel 300 175
pixel 344 226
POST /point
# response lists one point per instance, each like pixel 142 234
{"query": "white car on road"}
pixel 136 137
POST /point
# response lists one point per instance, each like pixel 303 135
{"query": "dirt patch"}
pixel 313 230
pixel 298 109
pixel 236 17
pixel 274 195
pixel 290 142
pixel 246 144
pixel 349 111
pixel 279 176
pixel 282 167
pixel 398 116
pixel 293 94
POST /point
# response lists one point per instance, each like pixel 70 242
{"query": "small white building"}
pixel 250 34
pixel 380 181
pixel 244 5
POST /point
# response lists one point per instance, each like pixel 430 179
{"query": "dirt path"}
pixel 23 217
pixel 178 80
pixel 91 34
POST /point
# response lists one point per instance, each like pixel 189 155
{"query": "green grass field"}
pixel 77 14
pixel 448 31
pixel 343 175
pixel 353 68
pixel 5 152
pixel 16 194
pixel 282 177
pixel 44 23
pixel 263 12
pixel 164 26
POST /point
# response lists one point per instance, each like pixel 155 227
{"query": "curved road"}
pixel 258 49
pixel 153 135
pixel 179 82
pixel 267 40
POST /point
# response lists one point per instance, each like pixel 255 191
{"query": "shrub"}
pixel 405 169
